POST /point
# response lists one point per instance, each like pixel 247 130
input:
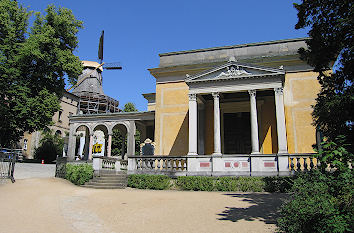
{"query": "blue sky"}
pixel 137 31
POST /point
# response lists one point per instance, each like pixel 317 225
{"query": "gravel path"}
pixel 55 205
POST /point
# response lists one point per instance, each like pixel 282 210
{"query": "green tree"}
pixel 331 34
pixel 117 142
pixel 130 107
pixel 32 66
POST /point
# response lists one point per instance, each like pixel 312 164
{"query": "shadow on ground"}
pixel 264 207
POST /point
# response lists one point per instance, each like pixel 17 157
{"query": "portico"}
pixel 235 85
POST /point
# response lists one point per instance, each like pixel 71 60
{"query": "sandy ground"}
pixel 55 205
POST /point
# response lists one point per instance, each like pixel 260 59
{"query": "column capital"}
pixel 252 92
pixel 216 95
pixel 192 97
pixel 278 90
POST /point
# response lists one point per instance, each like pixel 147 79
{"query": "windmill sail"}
pixel 100 47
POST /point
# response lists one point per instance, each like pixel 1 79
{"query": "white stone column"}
pixel 193 125
pixel 123 146
pixel 109 146
pixel 90 146
pixel 254 122
pixel 71 143
pixel 131 139
pixel 217 138
pixel 280 115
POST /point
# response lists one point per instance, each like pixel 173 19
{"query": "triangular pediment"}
pixel 233 70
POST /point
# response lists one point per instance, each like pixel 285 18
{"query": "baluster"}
pixel 298 164
pixel 166 164
pixel 174 168
pixel 171 164
pixel 146 163
pixel 305 164
pixel 155 164
pixel 158 165
pixel 292 164
pixel 152 165
pixel 312 164
pixel 182 164
pixel 177 164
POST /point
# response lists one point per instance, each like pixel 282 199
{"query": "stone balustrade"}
pixel 222 165
pixel 170 165
pixel 108 164
pixel 302 163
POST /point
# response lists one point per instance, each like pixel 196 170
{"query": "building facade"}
pixel 243 99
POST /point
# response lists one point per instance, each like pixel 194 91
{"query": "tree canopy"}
pixel 331 26
pixel 33 64
pixel 130 107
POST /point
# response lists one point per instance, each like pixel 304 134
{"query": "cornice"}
pixel 234 46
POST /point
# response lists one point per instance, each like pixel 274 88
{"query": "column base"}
pixel 217 153
pixel 283 152
pixel 255 153
pixel 192 153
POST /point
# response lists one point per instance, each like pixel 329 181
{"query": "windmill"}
pixel 89 86
pixel 94 69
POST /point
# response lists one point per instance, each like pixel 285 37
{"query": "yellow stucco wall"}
pixel 267 126
pixel 300 92
pixel 171 119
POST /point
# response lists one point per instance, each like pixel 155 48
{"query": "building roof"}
pixel 277 48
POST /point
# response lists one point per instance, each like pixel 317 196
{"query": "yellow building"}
pixel 242 99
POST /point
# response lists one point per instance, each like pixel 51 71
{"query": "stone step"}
pixel 115 179
pixel 111 175
pixel 105 187
pixel 112 172
pixel 105 184
pixel 108 180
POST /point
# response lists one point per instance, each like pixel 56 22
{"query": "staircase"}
pixel 108 180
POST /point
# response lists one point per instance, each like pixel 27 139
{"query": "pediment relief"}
pixel 233 70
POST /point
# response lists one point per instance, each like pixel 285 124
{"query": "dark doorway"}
pixel 237 133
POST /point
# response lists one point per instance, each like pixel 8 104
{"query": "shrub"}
pixel 244 184
pixel 196 183
pixel 321 202
pixel 281 184
pixel 207 183
pixel 78 173
pixel 158 182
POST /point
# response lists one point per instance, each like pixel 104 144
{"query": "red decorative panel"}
pixel 269 164
pixel 244 164
pixel 227 164
pixel 205 164
pixel 236 164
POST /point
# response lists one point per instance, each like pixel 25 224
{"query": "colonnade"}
pixel 280 119
pixel 130 127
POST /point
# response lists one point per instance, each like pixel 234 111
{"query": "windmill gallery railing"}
pixel 224 165
pixel 7 164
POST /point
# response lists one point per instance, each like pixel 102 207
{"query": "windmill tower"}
pixel 89 86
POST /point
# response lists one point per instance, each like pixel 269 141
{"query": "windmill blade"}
pixel 100 47
pixel 112 66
